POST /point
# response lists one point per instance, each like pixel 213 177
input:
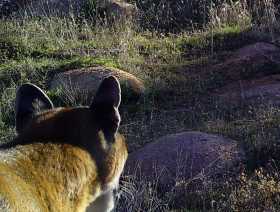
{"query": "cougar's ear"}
pixel 108 93
pixel 105 106
pixel 30 100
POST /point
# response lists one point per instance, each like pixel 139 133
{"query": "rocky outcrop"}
pixel 256 60
pixel 253 76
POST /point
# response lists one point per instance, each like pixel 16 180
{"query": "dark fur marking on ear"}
pixel 108 93
pixel 30 99
pixel 105 106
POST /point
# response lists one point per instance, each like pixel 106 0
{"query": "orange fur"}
pixel 60 161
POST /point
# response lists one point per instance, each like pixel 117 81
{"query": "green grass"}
pixel 226 38
pixel 174 68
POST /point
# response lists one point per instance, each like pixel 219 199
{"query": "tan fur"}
pixel 45 174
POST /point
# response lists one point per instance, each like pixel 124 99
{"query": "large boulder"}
pixel 184 156
pixel 85 81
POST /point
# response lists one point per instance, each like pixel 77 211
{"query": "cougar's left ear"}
pixel 30 100
pixel 105 106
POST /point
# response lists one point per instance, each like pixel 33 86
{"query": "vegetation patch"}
pixel 179 72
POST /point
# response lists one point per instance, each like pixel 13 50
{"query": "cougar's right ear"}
pixel 105 106
pixel 108 93
pixel 30 100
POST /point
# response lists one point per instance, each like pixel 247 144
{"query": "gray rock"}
pixel 184 156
